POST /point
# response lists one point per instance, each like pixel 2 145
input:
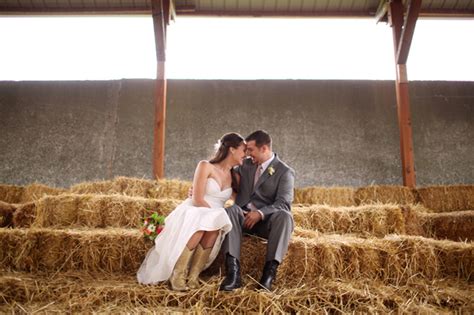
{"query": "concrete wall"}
pixel 331 132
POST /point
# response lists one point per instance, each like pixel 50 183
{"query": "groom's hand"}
pixel 252 218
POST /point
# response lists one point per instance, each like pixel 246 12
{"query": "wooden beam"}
pixel 404 123
pixel 404 44
pixel 160 11
pixel 159 123
pixel 160 20
pixel 403 98
pixel 396 21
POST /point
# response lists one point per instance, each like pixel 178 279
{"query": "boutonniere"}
pixel 271 170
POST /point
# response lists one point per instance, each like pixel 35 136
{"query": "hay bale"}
pixel 163 188
pixel 106 251
pixel 11 193
pixel 252 258
pixel 447 198
pixel 134 186
pixel 65 293
pixel 456 226
pixel 36 191
pixel 399 195
pixel 376 220
pixel 58 210
pixel 393 259
pixel 332 196
pixel 129 186
pixel 305 233
pixel 24 215
pixel 412 216
pixel 98 187
pixel 97 211
pixel 6 214
pixel 170 188
pixel 122 211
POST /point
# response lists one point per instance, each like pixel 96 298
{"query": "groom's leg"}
pixel 277 229
pixel 233 239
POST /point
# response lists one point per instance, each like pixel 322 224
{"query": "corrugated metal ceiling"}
pixel 232 7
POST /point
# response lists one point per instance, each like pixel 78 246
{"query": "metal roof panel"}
pixel 232 7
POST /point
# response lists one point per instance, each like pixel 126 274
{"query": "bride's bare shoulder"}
pixel 204 163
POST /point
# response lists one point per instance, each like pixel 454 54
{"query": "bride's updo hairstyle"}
pixel 222 147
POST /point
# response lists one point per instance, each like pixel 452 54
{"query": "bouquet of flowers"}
pixel 153 225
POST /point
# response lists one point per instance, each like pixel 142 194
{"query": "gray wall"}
pixel 331 132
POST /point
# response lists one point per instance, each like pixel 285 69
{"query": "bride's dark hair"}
pixel 229 140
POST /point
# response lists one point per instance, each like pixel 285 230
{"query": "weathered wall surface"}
pixel 331 132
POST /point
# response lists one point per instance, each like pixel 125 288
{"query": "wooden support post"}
pixel 160 11
pixel 403 30
pixel 404 122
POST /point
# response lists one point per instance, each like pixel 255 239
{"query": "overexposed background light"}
pixel 103 48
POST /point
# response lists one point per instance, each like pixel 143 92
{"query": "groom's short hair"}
pixel 261 137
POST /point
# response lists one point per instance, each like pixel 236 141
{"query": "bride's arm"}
pixel 203 170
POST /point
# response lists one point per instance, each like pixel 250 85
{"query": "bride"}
pixel 195 230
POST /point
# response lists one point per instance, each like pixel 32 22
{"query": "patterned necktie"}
pixel 258 173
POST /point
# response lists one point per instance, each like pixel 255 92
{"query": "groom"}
pixel 262 207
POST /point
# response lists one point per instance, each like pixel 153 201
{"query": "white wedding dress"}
pixel 180 225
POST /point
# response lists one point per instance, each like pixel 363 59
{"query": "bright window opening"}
pixel 103 48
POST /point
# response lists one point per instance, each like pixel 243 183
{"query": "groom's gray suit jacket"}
pixel 273 191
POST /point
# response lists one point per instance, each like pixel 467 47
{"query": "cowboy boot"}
pixel 269 274
pixel 180 271
pixel 198 262
pixel 232 279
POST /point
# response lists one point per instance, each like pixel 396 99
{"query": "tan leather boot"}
pixel 180 271
pixel 197 265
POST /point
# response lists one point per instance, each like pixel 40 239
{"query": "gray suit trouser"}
pixel 276 228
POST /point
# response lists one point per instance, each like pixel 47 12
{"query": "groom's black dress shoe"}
pixel 232 279
pixel 269 274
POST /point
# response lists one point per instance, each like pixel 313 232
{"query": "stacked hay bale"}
pixel 11 193
pixel 399 195
pixel 334 196
pixel 372 249
pixel 447 198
